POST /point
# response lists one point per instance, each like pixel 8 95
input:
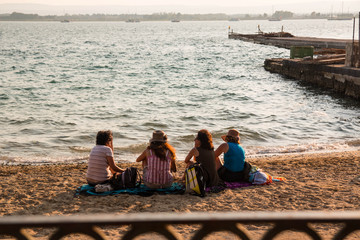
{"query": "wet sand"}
pixel 321 181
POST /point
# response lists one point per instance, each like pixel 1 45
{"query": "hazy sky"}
pixel 163 2
pixel 182 6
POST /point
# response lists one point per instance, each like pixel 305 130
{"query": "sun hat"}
pixel 158 136
pixel 232 133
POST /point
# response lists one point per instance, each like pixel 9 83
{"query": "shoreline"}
pixel 316 182
pixel 84 159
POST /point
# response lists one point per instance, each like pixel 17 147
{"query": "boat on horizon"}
pixel 65 21
pixel 340 18
pixel 275 19
pixel 175 20
pixel 132 20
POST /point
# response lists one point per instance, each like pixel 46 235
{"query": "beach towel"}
pixel 262 179
pixel 143 190
pixel 227 185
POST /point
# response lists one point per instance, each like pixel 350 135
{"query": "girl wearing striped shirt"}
pixel 158 161
pixel 101 164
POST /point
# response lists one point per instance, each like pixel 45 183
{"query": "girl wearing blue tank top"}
pixel 235 168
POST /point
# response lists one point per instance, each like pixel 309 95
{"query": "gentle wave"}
pixel 131 152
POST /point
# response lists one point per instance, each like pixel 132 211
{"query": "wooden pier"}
pixel 285 40
pixel 336 64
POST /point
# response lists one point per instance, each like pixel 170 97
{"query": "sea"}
pixel 61 83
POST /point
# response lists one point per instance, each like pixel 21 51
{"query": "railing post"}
pixel 208 228
pixel 89 230
pixel 163 229
pixel 347 230
pixel 18 232
pixel 294 226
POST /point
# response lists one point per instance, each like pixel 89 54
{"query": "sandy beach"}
pixel 321 181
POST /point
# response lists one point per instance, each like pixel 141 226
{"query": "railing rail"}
pixel 161 223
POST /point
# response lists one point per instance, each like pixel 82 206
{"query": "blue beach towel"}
pixel 143 190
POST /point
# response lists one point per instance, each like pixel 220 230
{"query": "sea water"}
pixel 60 83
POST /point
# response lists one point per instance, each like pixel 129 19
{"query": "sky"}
pixel 236 3
pixel 182 6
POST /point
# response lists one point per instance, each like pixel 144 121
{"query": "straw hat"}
pixel 158 136
pixel 232 133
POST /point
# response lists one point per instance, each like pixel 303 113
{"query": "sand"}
pixel 319 181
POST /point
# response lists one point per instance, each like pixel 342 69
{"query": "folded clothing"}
pixel 103 188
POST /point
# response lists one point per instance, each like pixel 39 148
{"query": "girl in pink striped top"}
pixel 158 161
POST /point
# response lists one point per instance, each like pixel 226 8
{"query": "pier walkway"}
pixel 287 42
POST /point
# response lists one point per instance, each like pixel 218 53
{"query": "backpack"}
pixel 261 178
pixel 258 177
pixel 130 178
pixel 195 181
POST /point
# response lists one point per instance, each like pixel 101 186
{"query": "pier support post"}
pixel 352 55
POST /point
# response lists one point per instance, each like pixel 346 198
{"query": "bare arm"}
pixel 110 145
pixel 189 156
pixel 110 159
pixel 113 167
pixel 223 148
pixel 193 153
pixel 173 165
pixel 142 157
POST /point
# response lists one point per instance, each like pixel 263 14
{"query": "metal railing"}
pixel 162 223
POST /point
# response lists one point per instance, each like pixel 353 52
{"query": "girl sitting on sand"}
pixel 158 161
pixel 203 153
pixel 101 165
pixel 234 169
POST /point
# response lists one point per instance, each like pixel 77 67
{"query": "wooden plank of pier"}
pixel 287 42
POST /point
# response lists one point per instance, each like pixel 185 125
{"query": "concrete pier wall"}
pixel 337 67
pixel 341 80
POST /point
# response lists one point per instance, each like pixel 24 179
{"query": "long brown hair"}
pixel 205 138
pixel 160 149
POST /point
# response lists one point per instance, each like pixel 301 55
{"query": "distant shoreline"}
pixel 48 20
pixel 283 15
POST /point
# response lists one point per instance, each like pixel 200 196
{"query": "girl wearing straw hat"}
pixel 235 168
pixel 158 160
